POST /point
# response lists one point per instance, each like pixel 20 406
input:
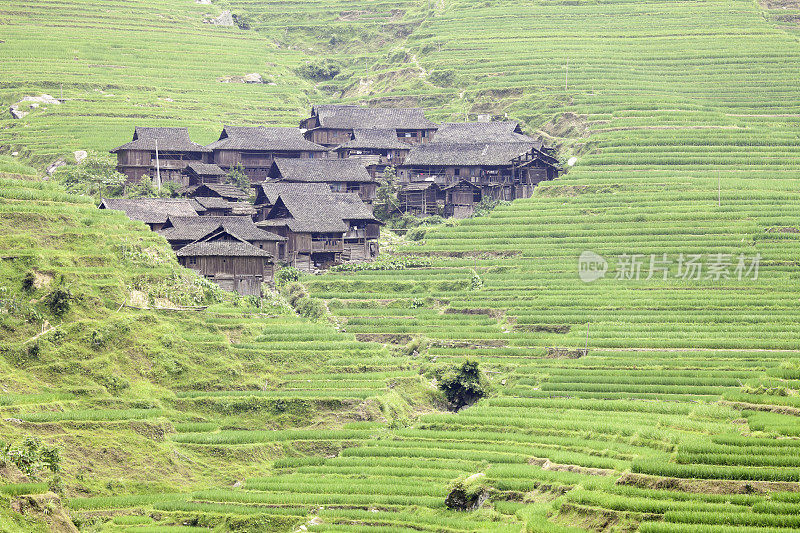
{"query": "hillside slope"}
pixel 126 375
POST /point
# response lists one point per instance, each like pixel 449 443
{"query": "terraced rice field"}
pixel 653 404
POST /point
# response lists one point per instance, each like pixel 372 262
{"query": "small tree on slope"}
pixel 463 384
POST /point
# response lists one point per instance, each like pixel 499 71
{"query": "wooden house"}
pixel 532 167
pixel 341 175
pixel 322 227
pixel 152 211
pixel 483 132
pixel 461 198
pixel 182 231
pixel 314 231
pixel 255 148
pixel 155 152
pixel 487 154
pixel 420 198
pixel 333 125
pixel 496 157
pixel 488 166
pixel 268 192
pixel 361 239
pixel 376 148
pixel 230 261
pixel 197 173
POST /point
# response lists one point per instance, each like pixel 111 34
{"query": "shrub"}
pixel 442 78
pixel 28 282
pixel 475 281
pixel 303 303
pixel 95 175
pixel 243 22
pixel 463 384
pixel 144 188
pixel 416 346
pixel 395 263
pixel 416 234
pixel 467 493
pixel 286 275
pixel 58 301
pixel 31 457
pixel 485 206
pixel 34 351
pixel 319 69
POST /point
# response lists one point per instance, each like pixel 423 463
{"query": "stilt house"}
pixel 341 175
pixel 333 125
pixel 376 148
pixel 163 152
pixel 197 173
pixel 230 261
pixel 152 211
pixel 255 148
pixel 182 231
pixel 420 198
pixel 321 227
pixel 268 192
pixel 494 157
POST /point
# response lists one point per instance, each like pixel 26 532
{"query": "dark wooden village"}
pixel 313 187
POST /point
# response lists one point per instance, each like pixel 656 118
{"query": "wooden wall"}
pixel 237 274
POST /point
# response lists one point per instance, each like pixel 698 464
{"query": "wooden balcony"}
pixel 327 246
pixel 356 234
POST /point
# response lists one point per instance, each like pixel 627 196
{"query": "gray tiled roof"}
pixel 168 139
pixel 205 169
pixel 215 202
pixel 482 132
pixel 461 182
pixel 319 170
pixel 223 190
pixel 151 210
pixel 351 207
pixel 378 139
pixel 222 248
pixel 260 138
pixel 351 117
pixel 311 213
pixel 324 212
pixel 194 228
pixel 466 154
pixel 271 190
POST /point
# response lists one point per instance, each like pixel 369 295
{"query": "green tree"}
pixel 463 384
pixel 143 189
pixel 96 176
pixel 237 177
pixel 386 203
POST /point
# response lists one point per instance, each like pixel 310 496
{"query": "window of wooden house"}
pixel 192 260
pixel 457 172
